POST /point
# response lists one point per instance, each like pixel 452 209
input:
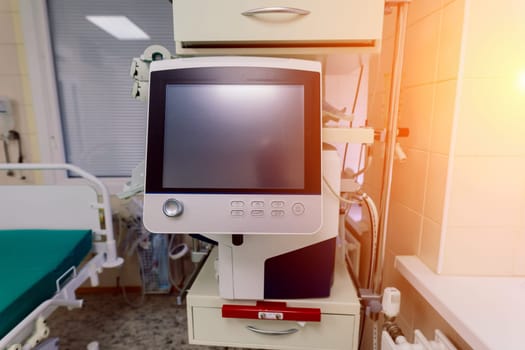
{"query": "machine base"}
pixel 338 328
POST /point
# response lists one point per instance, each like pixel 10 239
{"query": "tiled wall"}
pixel 485 230
pixel 14 84
pixel 427 107
pixel 459 198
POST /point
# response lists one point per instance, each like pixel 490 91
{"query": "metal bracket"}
pixel 390 4
pixel 371 302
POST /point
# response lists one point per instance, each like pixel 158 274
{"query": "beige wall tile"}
pixel 9 60
pixel 379 74
pixel 485 251
pixel 421 47
pixel 416 112
pixel 450 40
pixel 7 29
pixel 430 244
pixel 5 6
pixel 406 327
pixel 11 86
pixel 410 178
pixel 491 118
pixel 441 131
pixel 435 187
pixel 377 110
pixel 15 5
pixel 487 191
pixel 22 61
pixel 25 119
pixel 519 252
pixel 26 88
pixel 17 27
pixel 404 228
pixel 494 32
pixel 418 9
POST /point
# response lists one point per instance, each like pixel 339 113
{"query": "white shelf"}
pixel 487 312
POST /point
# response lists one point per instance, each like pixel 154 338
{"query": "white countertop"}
pixel 488 312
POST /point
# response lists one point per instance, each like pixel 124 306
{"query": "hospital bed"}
pixel 53 238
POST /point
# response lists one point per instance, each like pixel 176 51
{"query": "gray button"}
pixel 298 208
pixel 257 204
pixel 277 204
pixel 257 212
pixel 277 212
pixel 237 204
pixel 237 213
pixel 172 207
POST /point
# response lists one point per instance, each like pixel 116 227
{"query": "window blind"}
pixel 104 128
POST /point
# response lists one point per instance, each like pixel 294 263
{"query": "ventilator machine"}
pixel 235 153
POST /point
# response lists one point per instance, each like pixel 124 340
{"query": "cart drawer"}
pixel 333 332
pixel 255 23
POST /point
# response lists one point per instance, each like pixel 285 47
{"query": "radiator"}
pixel 440 342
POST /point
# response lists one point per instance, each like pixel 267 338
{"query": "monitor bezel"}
pixel 160 79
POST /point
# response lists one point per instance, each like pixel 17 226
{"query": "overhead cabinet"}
pixel 270 26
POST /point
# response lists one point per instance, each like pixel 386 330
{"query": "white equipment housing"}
pixel 242 273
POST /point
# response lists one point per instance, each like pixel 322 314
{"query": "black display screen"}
pixel 233 136
pixel 234 130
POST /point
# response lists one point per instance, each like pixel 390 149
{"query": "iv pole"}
pixel 391 133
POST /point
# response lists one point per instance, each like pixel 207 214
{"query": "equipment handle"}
pixel 270 332
pixel 276 9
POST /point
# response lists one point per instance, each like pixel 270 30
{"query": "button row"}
pixel 257 212
pixel 257 204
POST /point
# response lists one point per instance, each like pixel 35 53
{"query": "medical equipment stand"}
pixel 269 328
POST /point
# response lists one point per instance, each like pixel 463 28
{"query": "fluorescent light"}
pixel 119 26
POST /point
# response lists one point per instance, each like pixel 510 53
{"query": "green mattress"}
pixel 30 263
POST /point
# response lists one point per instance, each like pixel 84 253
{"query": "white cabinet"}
pixel 277 26
pixel 337 330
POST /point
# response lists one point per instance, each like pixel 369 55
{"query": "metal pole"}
pixel 393 110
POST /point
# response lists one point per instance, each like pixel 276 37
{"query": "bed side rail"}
pixel 109 245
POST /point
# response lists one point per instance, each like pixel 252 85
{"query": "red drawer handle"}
pixel 278 311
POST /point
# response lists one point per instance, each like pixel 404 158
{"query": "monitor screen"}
pixel 233 136
pixel 234 146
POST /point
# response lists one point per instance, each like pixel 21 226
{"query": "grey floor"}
pixel 158 324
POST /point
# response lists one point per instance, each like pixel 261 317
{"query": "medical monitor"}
pixel 234 146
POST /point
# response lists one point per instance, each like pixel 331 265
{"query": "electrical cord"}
pixel 368 161
pixel 362 197
pixel 338 196
pixel 133 230
pixel 374 219
pixel 176 252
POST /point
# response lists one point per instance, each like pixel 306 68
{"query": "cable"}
pixel 133 229
pixel 354 106
pixel 374 219
pixel 368 161
pixel 355 280
pixel 335 194
pixel 175 253
pixel 178 251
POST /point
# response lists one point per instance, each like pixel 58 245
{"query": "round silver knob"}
pixel 172 207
